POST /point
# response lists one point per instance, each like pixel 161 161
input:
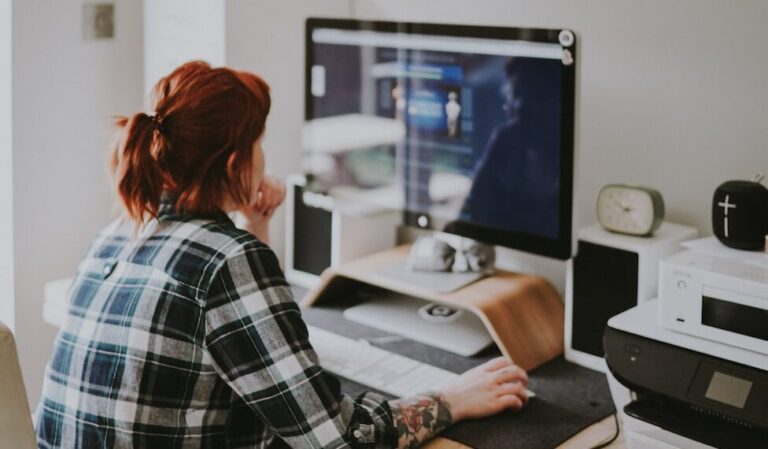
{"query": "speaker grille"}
pixel 311 236
pixel 604 285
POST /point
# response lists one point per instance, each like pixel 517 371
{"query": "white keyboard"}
pixel 374 367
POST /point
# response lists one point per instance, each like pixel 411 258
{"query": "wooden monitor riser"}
pixel 523 313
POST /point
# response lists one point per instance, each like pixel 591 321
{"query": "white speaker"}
pixel 611 273
pixel 319 235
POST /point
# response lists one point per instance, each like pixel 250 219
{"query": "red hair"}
pixel 197 147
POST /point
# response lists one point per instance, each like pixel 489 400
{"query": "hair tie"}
pixel 157 121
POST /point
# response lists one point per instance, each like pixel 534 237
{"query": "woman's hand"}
pixel 256 216
pixel 486 390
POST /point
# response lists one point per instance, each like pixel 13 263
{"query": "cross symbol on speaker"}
pixel 726 205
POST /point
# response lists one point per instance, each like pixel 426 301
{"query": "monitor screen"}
pixel 468 130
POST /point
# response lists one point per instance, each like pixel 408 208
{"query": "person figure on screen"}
pixel 398 95
pixel 516 179
pixel 452 112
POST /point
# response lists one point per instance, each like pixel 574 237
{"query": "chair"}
pixel 16 430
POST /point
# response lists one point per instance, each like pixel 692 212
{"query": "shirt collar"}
pixel 167 210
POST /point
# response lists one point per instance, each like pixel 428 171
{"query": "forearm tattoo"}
pixel 420 418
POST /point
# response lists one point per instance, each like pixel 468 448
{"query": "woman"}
pixel 182 331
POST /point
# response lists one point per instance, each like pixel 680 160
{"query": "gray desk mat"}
pixel 568 397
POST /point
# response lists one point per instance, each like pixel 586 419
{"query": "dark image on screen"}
pixel 480 133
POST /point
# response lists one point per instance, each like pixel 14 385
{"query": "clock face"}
pixel 629 210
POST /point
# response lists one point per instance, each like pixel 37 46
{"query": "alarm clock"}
pixel 740 214
pixel 632 210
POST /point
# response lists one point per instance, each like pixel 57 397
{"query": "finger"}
pixel 281 192
pixel 271 182
pixel 271 191
pixel 511 402
pixel 271 203
pixel 515 388
pixel 277 197
pixel 496 364
pixel 511 374
pixel 259 204
pixel 267 198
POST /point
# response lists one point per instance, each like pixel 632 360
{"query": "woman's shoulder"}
pixel 214 237
pixel 238 247
pixel 227 239
pixel 190 250
pixel 242 262
pixel 227 245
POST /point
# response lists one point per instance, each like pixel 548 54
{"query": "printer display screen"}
pixel 728 389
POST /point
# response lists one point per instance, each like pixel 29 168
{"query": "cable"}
pixel 613 438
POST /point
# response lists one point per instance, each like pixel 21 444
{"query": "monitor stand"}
pixel 438 325
pixel 523 314
pixel 462 275
pixel 433 281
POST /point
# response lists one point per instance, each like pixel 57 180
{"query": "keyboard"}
pixel 377 368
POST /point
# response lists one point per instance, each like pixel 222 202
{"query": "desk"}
pixel 592 435
pixel 54 312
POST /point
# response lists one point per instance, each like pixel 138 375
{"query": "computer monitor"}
pixel 466 129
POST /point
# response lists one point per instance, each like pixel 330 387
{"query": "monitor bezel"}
pixel 560 247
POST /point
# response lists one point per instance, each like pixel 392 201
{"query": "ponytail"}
pixel 139 176
pixel 199 149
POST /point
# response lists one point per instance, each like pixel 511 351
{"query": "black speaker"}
pixel 319 236
pixel 740 214
pixel 611 273
pixel 604 284
pixel 311 234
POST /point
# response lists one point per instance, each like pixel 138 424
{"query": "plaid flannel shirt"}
pixel 186 335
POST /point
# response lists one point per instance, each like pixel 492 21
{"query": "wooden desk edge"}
pixel 590 436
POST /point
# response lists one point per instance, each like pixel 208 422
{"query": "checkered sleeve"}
pixel 260 346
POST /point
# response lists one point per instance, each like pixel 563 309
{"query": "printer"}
pixel 690 369
pixel 717 293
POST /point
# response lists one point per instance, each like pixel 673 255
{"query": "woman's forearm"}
pixel 420 418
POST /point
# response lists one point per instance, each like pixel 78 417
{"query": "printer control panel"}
pixel 728 389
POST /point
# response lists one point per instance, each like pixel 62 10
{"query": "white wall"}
pixel 178 31
pixel 66 91
pixel 672 94
pixel 267 37
pixel 6 161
